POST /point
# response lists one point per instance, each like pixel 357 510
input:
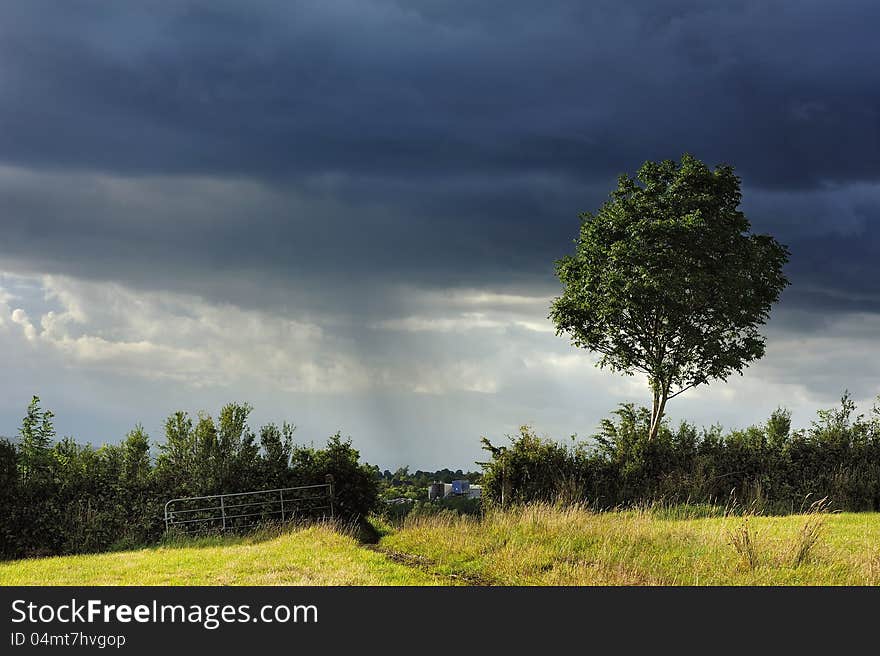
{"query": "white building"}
pixel 461 488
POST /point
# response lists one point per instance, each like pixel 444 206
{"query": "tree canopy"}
pixel 667 280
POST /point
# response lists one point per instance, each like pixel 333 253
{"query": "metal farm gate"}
pixel 245 509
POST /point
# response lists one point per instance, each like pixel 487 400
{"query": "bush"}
pixel 534 469
pixel 354 486
pixel 768 467
pixel 63 497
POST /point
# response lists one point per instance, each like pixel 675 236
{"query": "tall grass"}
pixel 545 544
pixel 811 531
pixel 743 538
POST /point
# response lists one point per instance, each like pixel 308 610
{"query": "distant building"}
pixel 459 488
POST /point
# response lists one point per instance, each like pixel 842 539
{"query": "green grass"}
pixel 536 545
pixel 542 545
pixel 318 555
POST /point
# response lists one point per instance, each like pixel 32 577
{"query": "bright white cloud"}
pixel 462 311
pixel 106 326
pixel 464 322
pixel 184 338
pixel 20 317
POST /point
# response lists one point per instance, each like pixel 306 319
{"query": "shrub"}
pixel 354 487
pixel 63 497
pixel 769 468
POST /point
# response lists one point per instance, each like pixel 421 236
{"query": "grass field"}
pixel 312 556
pixel 540 545
pixel 537 545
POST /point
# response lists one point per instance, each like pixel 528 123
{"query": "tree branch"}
pixel 683 389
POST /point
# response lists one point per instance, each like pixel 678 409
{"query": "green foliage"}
pixel 531 469
pixel 768 467
pixel 354 487
pixel 36 435
pixel 176 462
pixel 63 497
pixel 666 280
pixel 8 466
pixel 277 446
pixel 8 487
pixel 136 466
pixel 448 507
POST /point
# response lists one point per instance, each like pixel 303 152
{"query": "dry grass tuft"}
pixel 810 533
pixel 743 538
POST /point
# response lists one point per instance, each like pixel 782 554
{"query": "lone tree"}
pixel 667 280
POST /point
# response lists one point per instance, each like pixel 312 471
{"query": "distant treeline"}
pixel 404 484
pixel 770 467
pixel 61 497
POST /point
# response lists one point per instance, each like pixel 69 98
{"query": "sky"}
pixel 347 212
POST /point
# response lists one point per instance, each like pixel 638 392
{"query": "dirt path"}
pixel 429 566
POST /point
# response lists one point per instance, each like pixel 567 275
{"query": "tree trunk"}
pixel 655 406
pixel 661 393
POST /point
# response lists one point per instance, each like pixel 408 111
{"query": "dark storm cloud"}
pixel 787 91
pixel 440 143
